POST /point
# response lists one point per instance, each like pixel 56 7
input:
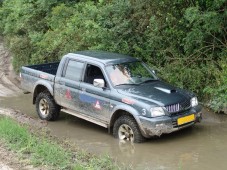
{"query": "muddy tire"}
pixel 46 107
pixel 125 128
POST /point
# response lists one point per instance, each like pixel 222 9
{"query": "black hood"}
pixel 157 92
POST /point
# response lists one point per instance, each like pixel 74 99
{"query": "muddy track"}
pixel 8 78
pixel 9 87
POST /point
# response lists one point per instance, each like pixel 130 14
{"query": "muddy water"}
pixel 203 146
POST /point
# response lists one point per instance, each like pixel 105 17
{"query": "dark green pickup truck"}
pixel 115 91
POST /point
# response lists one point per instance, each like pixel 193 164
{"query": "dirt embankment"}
pixel 9 87
pixel 8 79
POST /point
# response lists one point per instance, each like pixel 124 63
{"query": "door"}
pixel 67 86
pixel 94 101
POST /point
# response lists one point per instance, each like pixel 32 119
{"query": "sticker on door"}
pixel 97 105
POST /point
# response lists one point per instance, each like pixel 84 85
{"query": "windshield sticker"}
pixel 68 95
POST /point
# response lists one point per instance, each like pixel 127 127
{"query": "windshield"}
pixel 129 73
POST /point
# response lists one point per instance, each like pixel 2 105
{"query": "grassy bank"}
pixel 41 150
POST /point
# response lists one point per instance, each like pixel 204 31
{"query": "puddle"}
pixel 200 147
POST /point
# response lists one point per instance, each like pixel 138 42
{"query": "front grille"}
pixel 173 108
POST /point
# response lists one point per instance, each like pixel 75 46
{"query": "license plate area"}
pixel 186 119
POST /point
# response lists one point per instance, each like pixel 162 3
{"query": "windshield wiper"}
pixel 150 80
pixel 126 84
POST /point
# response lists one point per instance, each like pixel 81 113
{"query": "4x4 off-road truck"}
pixel 118 92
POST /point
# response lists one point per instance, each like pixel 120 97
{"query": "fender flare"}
pixel 45 84
pixel 129 109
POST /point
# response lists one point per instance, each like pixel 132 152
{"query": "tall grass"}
pixel 42 151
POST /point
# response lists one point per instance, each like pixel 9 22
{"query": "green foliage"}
pixel 218 102
pixel 21 48
pixel 12 133
pixel 185 41
pixel 43 151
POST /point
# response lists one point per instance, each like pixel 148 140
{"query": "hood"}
pixel 157 92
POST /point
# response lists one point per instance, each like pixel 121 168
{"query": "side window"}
pixel 93 72
pixel 74 70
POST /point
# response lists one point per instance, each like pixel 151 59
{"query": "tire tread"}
pixel 54 109
pixel 129 120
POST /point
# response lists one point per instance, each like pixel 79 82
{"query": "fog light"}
pixel 159 125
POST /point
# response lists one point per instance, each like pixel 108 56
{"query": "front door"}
pixel 94 101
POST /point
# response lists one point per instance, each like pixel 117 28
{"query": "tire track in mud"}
pixel 7 77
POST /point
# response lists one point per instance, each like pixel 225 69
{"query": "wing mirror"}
pixel 99 83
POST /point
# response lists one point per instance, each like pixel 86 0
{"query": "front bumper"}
pixel 167 124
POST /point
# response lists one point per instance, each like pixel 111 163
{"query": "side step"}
pixel 86 117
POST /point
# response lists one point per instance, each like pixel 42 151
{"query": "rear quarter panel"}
pixel 30 78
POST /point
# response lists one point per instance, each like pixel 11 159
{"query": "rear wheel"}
pixel 46 107
pixel 126 129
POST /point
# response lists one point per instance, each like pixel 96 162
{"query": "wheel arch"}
pixel 118 112
pixel 41 87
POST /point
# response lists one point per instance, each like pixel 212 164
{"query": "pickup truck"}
pixel 118 92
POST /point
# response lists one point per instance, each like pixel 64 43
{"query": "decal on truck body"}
pixel 68 95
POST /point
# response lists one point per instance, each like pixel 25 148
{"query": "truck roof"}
pixel 107 58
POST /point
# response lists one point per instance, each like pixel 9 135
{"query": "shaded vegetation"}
pixel 41 150
pixel 184 40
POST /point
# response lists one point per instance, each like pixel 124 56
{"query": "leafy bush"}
pixel 218 101
pixel 184 41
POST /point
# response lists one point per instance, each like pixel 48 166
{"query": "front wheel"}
pixel 126 129
pixel 46 107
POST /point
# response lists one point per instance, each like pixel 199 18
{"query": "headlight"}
pixel 157 111
pixel 194 101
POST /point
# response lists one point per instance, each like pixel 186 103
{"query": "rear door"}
pixel 67 86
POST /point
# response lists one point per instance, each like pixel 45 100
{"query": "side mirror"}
pixel 99 83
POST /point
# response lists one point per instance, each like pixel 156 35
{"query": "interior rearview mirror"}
pixel 99 83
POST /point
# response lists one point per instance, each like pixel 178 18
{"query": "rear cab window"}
pixel 74 70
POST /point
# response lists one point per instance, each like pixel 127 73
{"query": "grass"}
pixel 41 150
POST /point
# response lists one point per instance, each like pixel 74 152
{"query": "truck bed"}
pixel 50 68
pixel 40 72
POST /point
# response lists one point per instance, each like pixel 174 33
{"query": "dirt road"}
pixel 8 159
